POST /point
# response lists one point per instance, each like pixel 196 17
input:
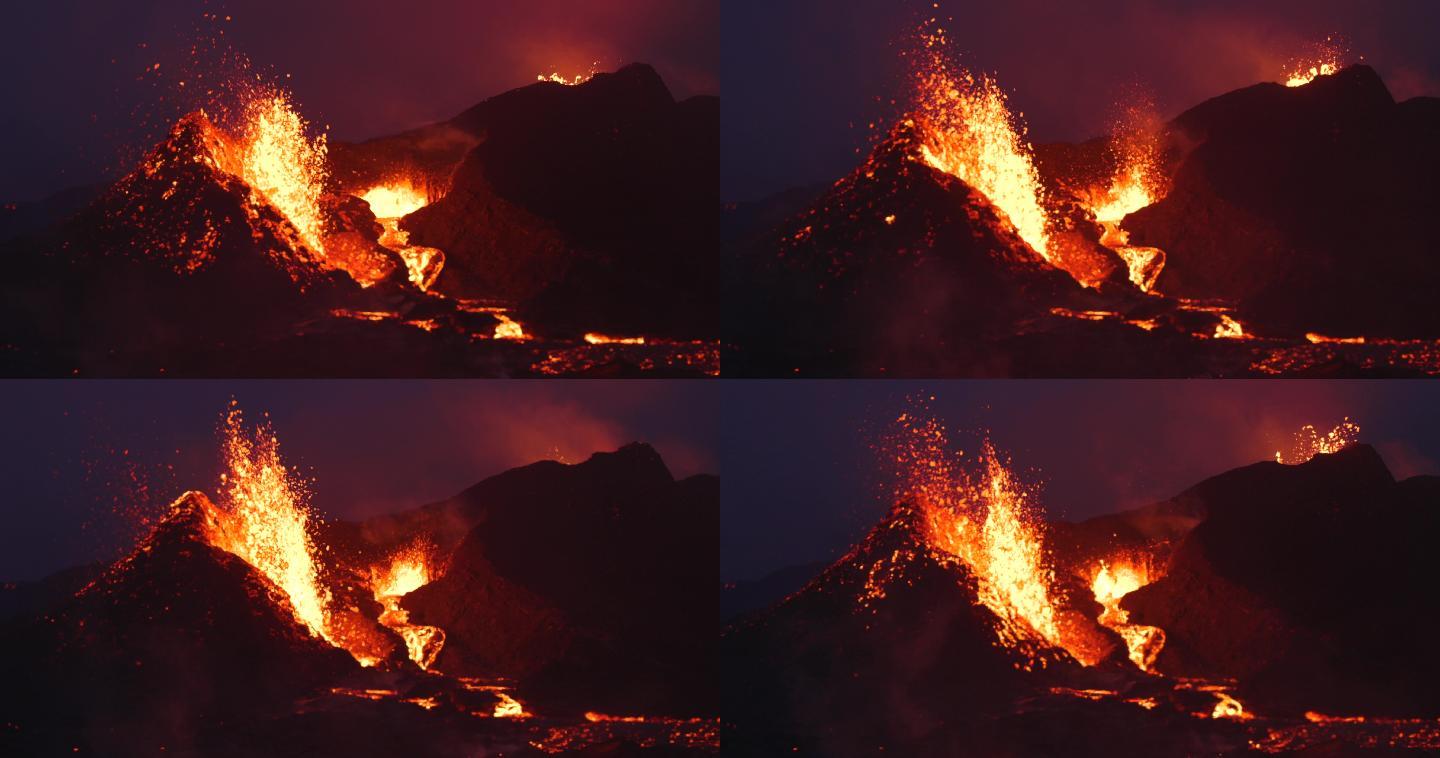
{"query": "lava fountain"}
pixel 986 520
pixel 285 166
pixel 1309 442
pixel 264 520
pixel 967 130
pixel 1324 60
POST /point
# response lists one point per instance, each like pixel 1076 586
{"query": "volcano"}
pixel 551 608
pixel 1271 636
pixel 1233 240
pixel 553 229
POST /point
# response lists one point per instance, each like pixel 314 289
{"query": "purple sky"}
pixel 81 95
pixel 804 78
pixel 82 459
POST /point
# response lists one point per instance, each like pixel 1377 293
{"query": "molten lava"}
pixel 1309 442
pixel 558 78
pixel 986 521
pixel 967 130
pixel 509 329
pixel 285 166
pixel 265 521
pixel 1323 60
pixel 509 708
pixel 1111 583
pixel 1229 329
pixel 1227 707
pixel 408 570
pixel 395 199
pixel 1136 183
pixel 390 202
pixel 595 338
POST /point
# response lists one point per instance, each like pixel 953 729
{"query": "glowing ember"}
pixel 968 131
pixel 390 202
pixel 1110 585
pixel 602 339
pixel 986 521
pixel 285 166
pixel 407 571
pixel 266 521
pixel 1309 442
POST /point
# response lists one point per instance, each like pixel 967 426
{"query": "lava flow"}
pixel 408 570
pixel 1136 183
pixel 1112 582
pixel 390 202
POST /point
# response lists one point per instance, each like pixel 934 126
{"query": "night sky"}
pixel 82 97
pixel 83 459
pixel 805 78
pixel 802 483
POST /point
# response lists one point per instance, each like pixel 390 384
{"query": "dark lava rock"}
pixel 888 649
pixel 595 204
pixel 177 638
pixel 594 584
pixel 1310 584
pixel 1311 206
pixel 177 255
pixel 898 269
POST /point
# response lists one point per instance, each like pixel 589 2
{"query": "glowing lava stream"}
pixel 1110 585
pixel 1137 183
pixel 390 202
pixel 408 570
pixel 507 707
